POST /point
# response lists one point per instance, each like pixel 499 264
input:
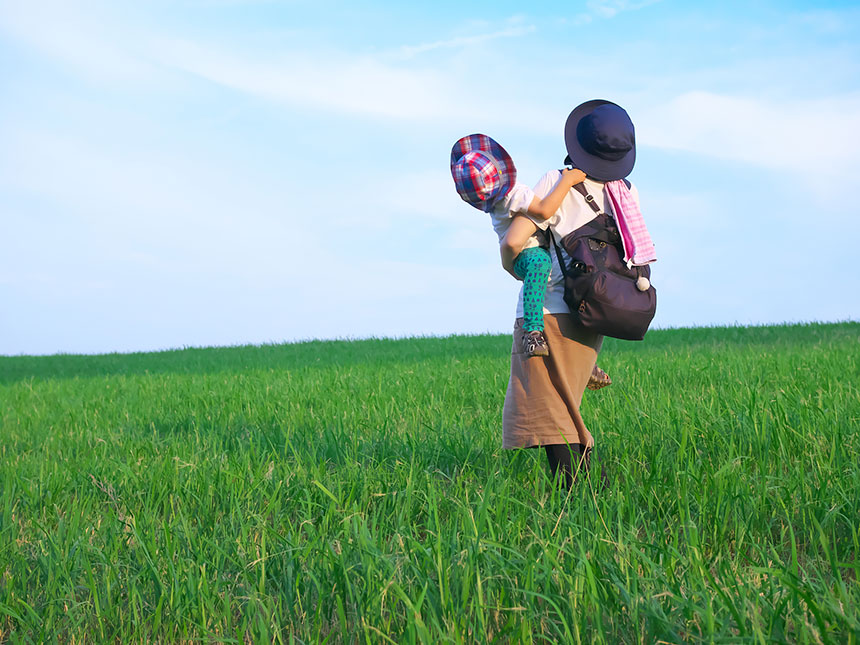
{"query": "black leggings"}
pixel 568 459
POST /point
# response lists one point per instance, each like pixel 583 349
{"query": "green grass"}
pixel 349 492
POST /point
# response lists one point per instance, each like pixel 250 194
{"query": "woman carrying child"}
pixel 486 178
pixel 543 397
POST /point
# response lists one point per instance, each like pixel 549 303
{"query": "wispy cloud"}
pixel 92 42
pixel 817 137
pixel 331 80
pixel 99 45
pixel 408 51
pixel 611 8
pixel 605 9
pixel 829 21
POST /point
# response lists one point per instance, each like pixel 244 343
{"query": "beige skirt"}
pixel 544 393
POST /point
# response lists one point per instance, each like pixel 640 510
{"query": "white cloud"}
pixel 611 8
pixel 606 9
pixel 369 86
pixel 408 51
pixel 818 139
pixel 330 80
pixel 92 42
pixel 828 22
pixel 156 213
pixel 104 47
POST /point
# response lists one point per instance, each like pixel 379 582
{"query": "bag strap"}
pixel 589 198
pixel 561 262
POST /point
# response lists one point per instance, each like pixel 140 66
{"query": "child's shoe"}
pixel 534 343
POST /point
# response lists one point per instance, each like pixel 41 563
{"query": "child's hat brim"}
pixel 503 161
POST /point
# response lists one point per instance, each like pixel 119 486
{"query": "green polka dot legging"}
pixel 533 266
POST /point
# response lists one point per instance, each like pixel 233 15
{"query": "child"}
pixel 486 178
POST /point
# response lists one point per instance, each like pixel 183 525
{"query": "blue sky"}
pixel 219 172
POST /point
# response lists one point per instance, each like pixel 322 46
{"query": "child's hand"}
pixel 572 176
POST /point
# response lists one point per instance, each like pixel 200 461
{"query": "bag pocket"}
pixel 613 306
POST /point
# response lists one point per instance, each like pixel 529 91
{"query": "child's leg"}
pixel 533 266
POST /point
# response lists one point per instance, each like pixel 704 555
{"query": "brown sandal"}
pixel 598 379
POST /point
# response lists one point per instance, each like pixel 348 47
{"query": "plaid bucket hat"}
pixel 483 171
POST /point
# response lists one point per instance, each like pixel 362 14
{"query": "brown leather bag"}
pixel 599 288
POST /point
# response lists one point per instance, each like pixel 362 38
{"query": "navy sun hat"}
pixel 600 140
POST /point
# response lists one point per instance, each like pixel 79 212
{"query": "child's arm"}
pixel 546 207
pixel 520 230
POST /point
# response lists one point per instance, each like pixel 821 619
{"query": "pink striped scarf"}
pixel 638 247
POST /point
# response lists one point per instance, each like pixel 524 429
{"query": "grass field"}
pixel 350 492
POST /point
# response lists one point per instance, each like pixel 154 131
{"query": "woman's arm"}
pixel 520 230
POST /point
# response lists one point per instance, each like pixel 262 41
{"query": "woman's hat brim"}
pixel 593 166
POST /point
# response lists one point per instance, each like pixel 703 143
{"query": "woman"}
pixel 544 394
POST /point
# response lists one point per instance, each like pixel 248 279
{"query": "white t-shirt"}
pixel 516 202
pixel 573 213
